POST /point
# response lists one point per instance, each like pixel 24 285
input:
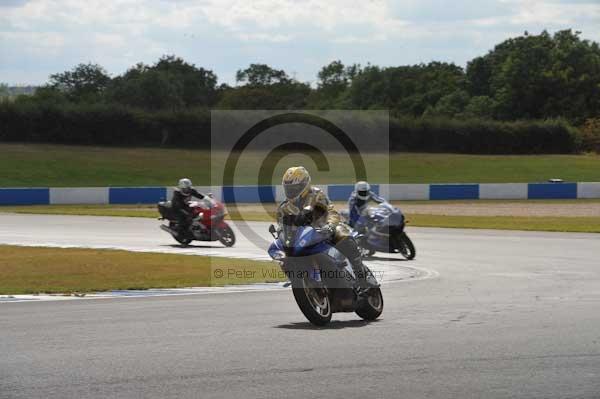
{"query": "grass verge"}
pixel 266 214
pixel 146 211
pixel 44 165
pixel 534 223
pixel 30 270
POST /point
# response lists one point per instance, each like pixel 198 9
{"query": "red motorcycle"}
pixel 208 222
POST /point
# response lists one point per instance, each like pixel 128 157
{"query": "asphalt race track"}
pixel 502 314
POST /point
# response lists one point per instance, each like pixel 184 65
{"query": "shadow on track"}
pixel 386 259
pixel 193 246
pixel 333 325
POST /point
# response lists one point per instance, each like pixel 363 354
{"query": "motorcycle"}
pixel 207 224
pixel 381 229
pixel 322 279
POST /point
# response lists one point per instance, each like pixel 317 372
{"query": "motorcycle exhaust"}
pixel 169 230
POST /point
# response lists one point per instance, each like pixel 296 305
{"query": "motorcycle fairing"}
pixel 310 242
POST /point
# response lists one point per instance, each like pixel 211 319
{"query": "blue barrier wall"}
pixel 453 191
pixel 552 191
pixel 136 195
pixel 267 194
pixel 340 192
pixel 248 194
pixel 24 196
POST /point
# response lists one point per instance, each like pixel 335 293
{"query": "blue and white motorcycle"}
pixel 381 229
pixel 322 279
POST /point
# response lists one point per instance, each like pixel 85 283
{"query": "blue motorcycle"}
pixel 381 229
pixel 322 279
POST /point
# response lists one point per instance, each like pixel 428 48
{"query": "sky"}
pixel 41 37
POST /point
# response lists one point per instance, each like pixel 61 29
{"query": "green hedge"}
pixel 101 124
pixel 484 136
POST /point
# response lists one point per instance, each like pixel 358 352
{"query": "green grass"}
pixel 147 211
pixel 27 165
pixel 253 213
pixel 537 223
pixel 28 270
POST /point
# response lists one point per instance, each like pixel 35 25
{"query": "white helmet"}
pixel 185 185
pixel 362 189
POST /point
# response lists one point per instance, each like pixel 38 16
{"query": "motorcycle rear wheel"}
pixel 184 241
pixel 313 302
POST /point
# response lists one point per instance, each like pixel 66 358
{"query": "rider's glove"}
pixel 304 218
pixel 328 230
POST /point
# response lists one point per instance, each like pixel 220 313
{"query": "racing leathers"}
pixel 182 210
pixel 357 205
pixel 320 213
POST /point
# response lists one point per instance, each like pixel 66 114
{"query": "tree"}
pixel 292 95
pixel 4 90
pixel 591 134
pixel 147 88
pixel 480 107
pixel 405 90
pixel 170 83
pixel 198 84
pixel 479 71
pixel 84 83
pixel 264 87
pixel 261 75
pixel 540 76
pixel 334 79
pixel 451 105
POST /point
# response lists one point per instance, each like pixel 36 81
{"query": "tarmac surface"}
pixel 492 314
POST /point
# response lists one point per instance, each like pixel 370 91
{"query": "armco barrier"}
pixel 269 194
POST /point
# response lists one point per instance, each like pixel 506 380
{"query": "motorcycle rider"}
pixel 313 205
pixel 179 203
pixel 359 199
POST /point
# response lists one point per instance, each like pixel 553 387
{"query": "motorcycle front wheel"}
pixel 226 236
pixel 371 307
pixel 366 252
pixel 314 302
pixel 407 248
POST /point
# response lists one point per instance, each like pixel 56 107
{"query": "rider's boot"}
pixel 366 280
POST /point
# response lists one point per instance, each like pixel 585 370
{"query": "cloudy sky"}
pixel 40 37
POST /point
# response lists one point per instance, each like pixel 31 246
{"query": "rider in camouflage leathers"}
pixel 313 204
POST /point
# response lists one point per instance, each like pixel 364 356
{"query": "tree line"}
pixel 552 78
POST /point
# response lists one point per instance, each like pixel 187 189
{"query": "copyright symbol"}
pixel 266 123
pixel 218 273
